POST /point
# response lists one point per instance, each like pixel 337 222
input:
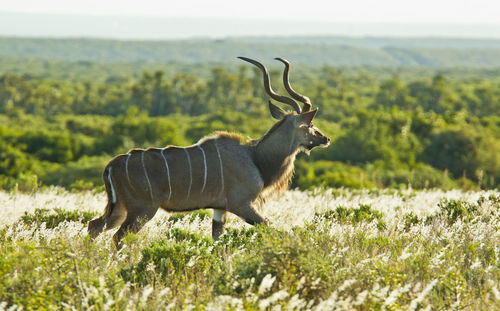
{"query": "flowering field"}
pixel 324 250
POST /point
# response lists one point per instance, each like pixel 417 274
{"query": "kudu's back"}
pixel 209 174
pixel 184 179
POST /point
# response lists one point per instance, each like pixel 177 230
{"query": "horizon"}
pixel 425 11
pixel 137 27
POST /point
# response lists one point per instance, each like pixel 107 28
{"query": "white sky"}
pixel 415 11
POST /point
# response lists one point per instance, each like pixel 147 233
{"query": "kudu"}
pixel 222 171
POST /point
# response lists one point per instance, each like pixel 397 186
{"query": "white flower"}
pixel 415 302
pixel 281 295
pixel 266 284
pixel 476 265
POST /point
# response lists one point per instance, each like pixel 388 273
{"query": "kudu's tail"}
pixel 96 226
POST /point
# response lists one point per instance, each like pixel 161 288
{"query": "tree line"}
pixel 425 131
pixel 317 51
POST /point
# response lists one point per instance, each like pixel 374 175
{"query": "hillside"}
pixel 335 51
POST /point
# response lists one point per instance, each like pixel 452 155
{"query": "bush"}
pixel 354 215
pixel 80 174
pixel 48 145
pixel 53 219
pixel 454 210
pixel 296 260
pixel 25 182
pixel 201 214
pixel 329 174
pixel 455 150
pixel 44 277
pixel 13 160
pixel 421 176
pixel 178 262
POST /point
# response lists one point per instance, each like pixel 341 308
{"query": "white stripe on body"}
pixel 113 194
pixel 221 169
pixel 190 173
pixel 168 174
pixel 146 174
pixel 126 167
pixel 205 167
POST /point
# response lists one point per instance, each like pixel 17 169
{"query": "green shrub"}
pixel 201 214
pixel 44 276
pixel 80 185
pixel 329 174
pixel 420 176
pixel 456 150
pixel 410 220
pixel 48 145
pixel 236 238
pixel 354 215
pixel 178 262
pixel 88 170
pixel 25 182
pixel 454 210
pixel 53 219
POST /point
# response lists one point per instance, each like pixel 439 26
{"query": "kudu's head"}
pixel 296 127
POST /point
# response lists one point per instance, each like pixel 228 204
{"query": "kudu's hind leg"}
pixel 98 225
pixel 218 222
pixel 95 227
pixel 136 218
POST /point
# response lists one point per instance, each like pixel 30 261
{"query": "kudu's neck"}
pixel 275 155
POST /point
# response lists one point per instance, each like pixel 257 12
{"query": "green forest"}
pixel 314 51
pixel 61 120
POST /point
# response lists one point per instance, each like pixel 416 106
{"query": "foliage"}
pixel 52 219
pixel 422 131
pixel 337 51
pixel 355 215
pixel 330 174
pixel 435 249
pixel 454 210
pixel 200 214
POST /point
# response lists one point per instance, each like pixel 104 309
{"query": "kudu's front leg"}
pixel 249 214
pixel 240 203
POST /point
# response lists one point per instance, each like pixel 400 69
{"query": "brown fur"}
pixel 275 186
pixel 222 171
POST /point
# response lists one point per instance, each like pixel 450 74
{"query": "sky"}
pixel 167 19
pixel 416 11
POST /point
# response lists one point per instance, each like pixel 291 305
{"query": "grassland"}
pixel 324 250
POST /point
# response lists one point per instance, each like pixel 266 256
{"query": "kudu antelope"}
pixel 222 172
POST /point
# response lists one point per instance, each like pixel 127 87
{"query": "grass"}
pixel 324 250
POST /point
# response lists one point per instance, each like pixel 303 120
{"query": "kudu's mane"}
pixel 223 134
pixel 239 138
pixel 277 173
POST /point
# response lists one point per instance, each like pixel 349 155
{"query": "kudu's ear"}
pixel 276 111
pixel 306 117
